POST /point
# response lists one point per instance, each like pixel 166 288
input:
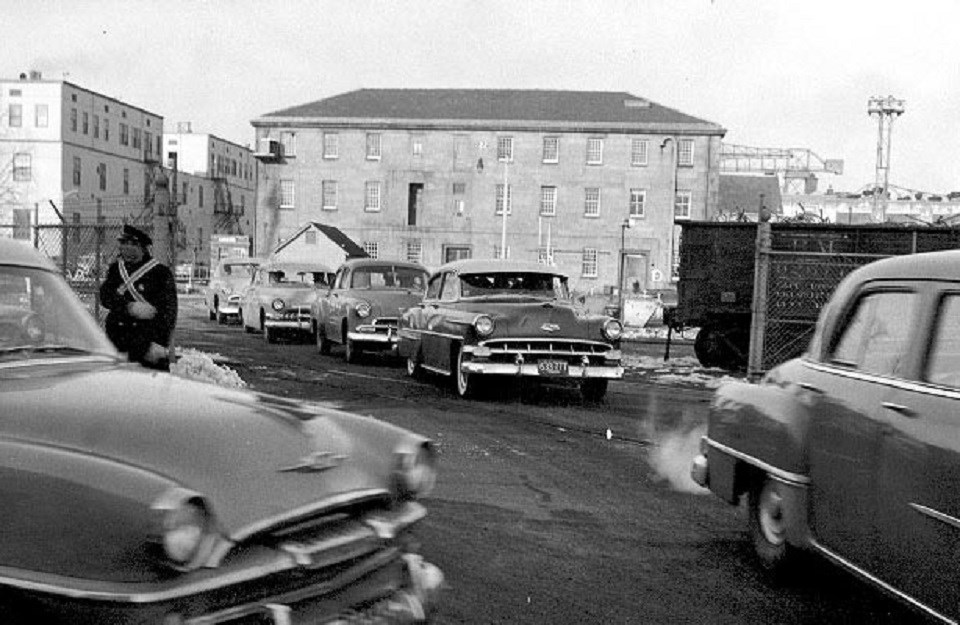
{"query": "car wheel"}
pixel 350 351
pixel 768 526
pixel 323 343
pixel 221 318
pixel 414 370
pixel 466 383
pixel 268 335
pixel 212 313
pixel 593 390
pixel 243 322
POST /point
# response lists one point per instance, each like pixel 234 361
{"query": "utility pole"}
pixel 886 110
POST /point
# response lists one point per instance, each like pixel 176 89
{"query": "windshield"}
pixel 387 277
pixel 40 313
pixel 295 276
pixel 524 284
pixel 238 271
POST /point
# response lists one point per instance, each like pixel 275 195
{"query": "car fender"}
pixel 762 426
pixel 81 499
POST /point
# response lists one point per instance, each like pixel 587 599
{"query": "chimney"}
pixel 35 75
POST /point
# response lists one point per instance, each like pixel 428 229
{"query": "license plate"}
pixel 552 367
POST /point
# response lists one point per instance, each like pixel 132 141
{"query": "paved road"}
pixel 551 511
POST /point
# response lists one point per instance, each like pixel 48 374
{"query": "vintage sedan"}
pixel 227 281
pixel 277 300
pixel 853 450
pixel 480 319
pixel 361 309
pixel 135 496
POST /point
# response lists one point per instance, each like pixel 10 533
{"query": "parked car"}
pixel 277 300
pixel 222 293
pixel 852 451
pixel 484 318
pixel 361 309
pixel 136 496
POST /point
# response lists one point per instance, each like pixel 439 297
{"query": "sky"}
pixel 773 73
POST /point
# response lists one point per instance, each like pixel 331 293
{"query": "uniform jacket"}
pixel 157 286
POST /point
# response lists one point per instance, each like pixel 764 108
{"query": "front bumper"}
pixel 611 372
pixel 375 336
pixel 297 322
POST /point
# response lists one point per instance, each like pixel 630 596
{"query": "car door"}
pixel 846 393
pixel 248 300
pixel 436 348
pixel 919 477
pixel 328 305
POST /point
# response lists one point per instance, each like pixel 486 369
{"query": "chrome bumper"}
pixel 389 337
pixel 614 372
pixel 288 324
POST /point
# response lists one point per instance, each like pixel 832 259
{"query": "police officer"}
pixel 141 296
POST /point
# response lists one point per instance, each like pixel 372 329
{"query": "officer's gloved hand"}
pixel 156 353
pixel 141 310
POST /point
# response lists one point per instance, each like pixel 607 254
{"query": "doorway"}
pixel 634 274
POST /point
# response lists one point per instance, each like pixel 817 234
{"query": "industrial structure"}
pixel 886 110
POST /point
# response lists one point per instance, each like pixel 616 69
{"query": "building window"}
pixel 545 255
pixel 329 195
pixel 591 204
pixel 86 123
pixel 685 155
pixel 551 149
pixel 124 134
pixel 287 193
pixel 459 188
pixel 417 146
pixel 499 207
pixel 505 149
pixel 148 143
pixel 96 126
pixel 76 171
pixel 638 152
pixel 456 252
pixel 22 166
pixel 548 201
pixel 681 205
pixel 373 146
pixel 15 115
pixel 73 120
pixel 21 223
pixel 459 204
pixel 638 201
pixel 372 248
pixel 102 171
pixel 106 129
pixel 41 115
pixel 594 151
pixel 310 237
pixel 331 145
pixel 126 181
pixel 589 264
pixel 501 253
pixel 288 140
pixel 136 138
pixel 414 251
pixel 371 201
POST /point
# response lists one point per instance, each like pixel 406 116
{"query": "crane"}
pixel 797 168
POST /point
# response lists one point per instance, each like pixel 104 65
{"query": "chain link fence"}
pixel 798 270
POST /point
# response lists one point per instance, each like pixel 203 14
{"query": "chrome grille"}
pixel 547 347
pixel 386 322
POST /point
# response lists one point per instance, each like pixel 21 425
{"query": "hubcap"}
pixel 771 516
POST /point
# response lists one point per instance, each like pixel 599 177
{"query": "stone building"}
pixel 589 181
pixel 71 155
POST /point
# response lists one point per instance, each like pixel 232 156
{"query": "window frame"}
pixel 594 156
pixel 41 115
pixel 633 202
pixel 374 149
pixel 288 193
pixel 499 200
pixel 685 153
pixel 331 145
pixel 556 150
pixel 639 152
pixel 288 139
pixel 590 257
pixel 588 202
pixel 22 172
pixel 505 149
pixel 368 205
pixel 329 189
pixel 15 119
pixel 548 205
pixel 687 197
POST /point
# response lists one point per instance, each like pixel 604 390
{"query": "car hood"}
pixel 248 453
pixel 295 296
pixel 538 319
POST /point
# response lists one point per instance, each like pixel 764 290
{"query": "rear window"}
pixel 513 283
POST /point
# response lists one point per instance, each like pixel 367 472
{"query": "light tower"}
pixel 886 109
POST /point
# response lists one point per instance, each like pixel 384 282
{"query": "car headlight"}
pixel 363 310
pixel 416 471
pixel 612 329
pixel 277 304
pixel 483 325
pixel 185 529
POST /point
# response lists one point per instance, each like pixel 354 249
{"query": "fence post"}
pixel 758 309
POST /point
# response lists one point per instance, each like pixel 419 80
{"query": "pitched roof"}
pixel 490 105
pixel 345 243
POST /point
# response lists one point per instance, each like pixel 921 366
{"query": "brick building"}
pixel 590 181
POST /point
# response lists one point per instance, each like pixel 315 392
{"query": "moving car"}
pixel 484 318
pixel 131 495
pixel 361 309
pixel 852 451
pixel 277 300
pixel 222 293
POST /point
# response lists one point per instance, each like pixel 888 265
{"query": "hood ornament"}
pixel 550 327
pixel 315 463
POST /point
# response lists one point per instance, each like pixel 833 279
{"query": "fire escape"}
pixel 226 216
